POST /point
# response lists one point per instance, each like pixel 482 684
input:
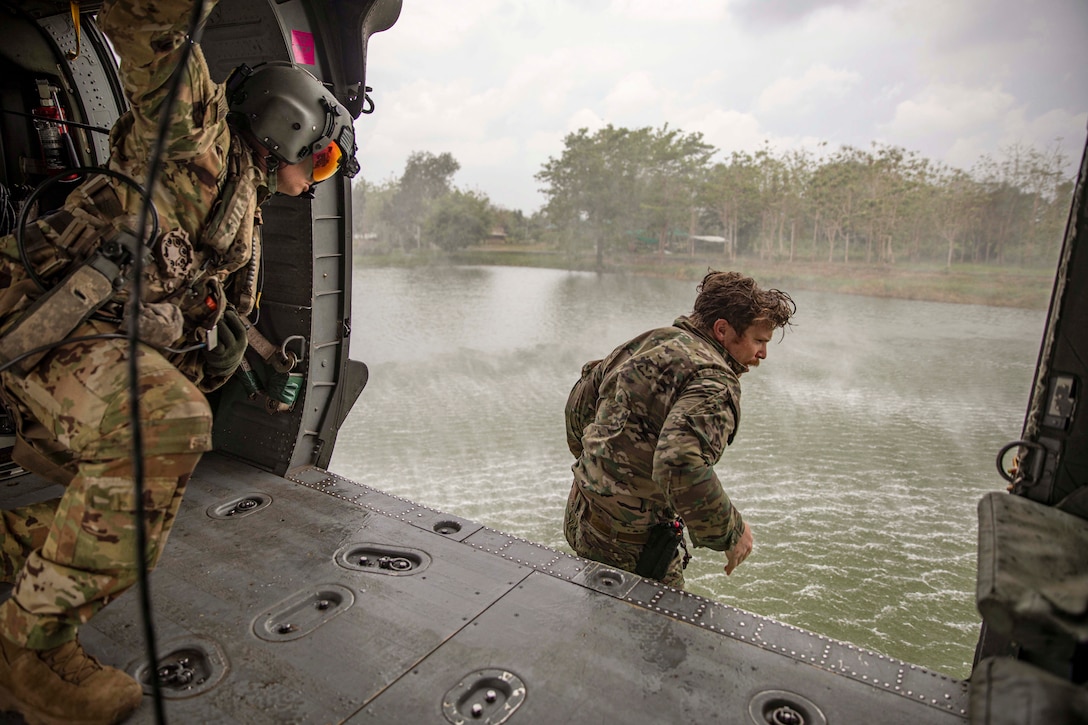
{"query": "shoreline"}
pixel 1020 287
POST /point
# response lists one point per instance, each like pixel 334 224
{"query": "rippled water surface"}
pixel 867 436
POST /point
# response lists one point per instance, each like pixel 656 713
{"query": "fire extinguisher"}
pixel 52 134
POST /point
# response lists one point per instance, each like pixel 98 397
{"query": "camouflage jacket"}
pixel 648 423
pixel 209 219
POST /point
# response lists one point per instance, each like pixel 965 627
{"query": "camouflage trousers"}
pixel 590 542
pixel 70 557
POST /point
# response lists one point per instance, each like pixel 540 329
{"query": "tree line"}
pixel 661 191
pixel 423 209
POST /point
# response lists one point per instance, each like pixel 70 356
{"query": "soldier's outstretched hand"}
pixel 740 551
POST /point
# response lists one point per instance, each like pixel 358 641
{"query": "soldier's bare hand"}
pixel 740 551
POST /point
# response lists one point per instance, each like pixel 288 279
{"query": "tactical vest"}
pixel 199 279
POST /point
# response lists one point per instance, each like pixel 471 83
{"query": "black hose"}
pixel 20 225
pixel 65 122
pixel 98 336
pixel 155 159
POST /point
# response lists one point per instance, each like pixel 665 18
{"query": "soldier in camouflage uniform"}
pixel 70 557
pixel 648 423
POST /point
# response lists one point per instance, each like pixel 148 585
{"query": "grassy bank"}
pixel 966 284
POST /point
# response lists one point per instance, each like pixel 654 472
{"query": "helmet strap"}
pixel 273 180
pixel 265 160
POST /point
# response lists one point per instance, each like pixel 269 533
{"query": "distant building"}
pixel 707 243
pixel 369 243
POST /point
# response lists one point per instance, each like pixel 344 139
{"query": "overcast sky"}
pixel 500 83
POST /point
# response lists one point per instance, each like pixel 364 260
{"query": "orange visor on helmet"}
pixel 325 162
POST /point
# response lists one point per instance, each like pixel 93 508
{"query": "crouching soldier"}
pixel 270 129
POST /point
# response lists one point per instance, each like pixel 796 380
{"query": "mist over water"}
pixel 866 437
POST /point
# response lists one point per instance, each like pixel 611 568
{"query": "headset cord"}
pixel 155 159
pixel 98 336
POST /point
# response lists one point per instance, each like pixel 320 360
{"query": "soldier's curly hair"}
pixel 733 297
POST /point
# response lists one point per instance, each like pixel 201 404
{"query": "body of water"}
pixel 867 436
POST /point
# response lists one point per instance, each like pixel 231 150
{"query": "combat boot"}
pixel 63 685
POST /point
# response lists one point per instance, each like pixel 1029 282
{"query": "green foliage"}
pixel 647 190
pixel 457 220
pixel 519 229
pixel 877 205
pixel 617 180
pixel 426 179
pixel 370 225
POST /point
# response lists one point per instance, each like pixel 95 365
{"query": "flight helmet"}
pixel 293 115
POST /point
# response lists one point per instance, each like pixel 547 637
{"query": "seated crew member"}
pixel 647 424
pixel 271 129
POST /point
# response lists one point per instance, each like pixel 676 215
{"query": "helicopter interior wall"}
pixel 15 140
pixel 1033 544
pixel 1071 357
pixel 1070 360
pixel 28 54
pixel 79 66
pixel 307 244
pixel 306 291
pixel 1057 416
pixel 242 31
pixel 35 41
